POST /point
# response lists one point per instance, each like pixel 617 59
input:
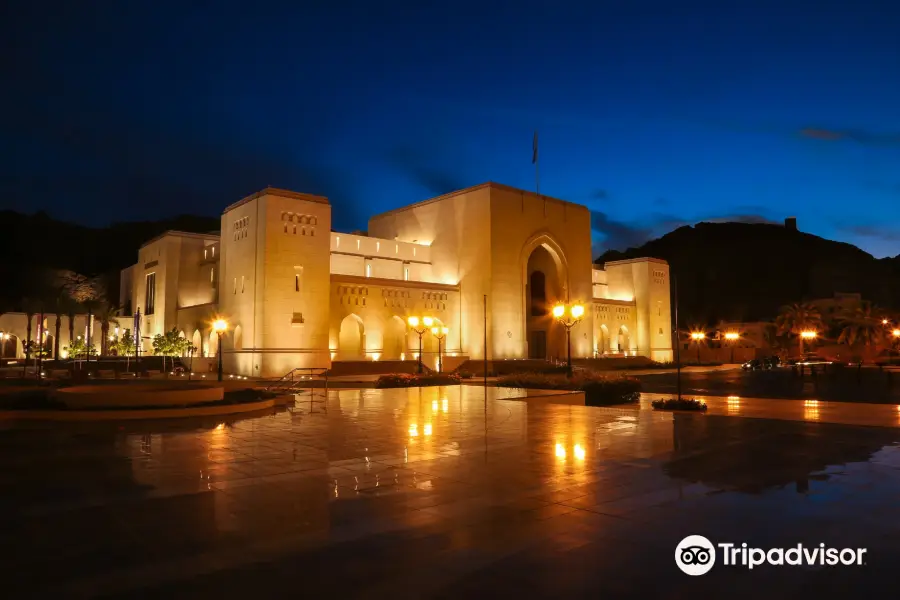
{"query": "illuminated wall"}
pixel 297 294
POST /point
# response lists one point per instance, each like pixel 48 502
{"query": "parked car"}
pixel 754 364
pixel 888 357
pixel 810 359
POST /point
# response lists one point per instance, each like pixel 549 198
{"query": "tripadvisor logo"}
pixel 696 555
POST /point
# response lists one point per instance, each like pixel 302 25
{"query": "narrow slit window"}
pixel 297 282
pixel 242 284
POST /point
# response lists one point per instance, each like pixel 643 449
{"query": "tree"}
pixel 170 344
pixel 107 316
pixel 79 349
pixel 861 325
pixel 123 345
pixel 89 292
pixel 797 318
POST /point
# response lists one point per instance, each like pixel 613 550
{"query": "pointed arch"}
pixel 238 338
pixel 351 338
pixel 197 341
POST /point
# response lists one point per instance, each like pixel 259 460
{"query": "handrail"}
pixel 288 381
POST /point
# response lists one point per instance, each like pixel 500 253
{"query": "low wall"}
pixel 137 395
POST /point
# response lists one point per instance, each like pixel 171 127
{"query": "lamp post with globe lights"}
pixel 697 337
pixel 732 337
pixel 420 326
pixel 220 326
pixel 440 333
pixel 808 336
pixel 575 314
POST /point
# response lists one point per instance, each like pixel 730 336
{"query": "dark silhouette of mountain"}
pixel 38 242
pixel 746 272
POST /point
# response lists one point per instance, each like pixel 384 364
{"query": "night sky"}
pixel 653 113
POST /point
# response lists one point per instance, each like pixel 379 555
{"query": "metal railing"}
pixel 299 378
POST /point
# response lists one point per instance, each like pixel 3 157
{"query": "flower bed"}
pixel 401 380
pixel 599 390
pixel 679 404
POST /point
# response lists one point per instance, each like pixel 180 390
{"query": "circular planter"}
pixel 138 395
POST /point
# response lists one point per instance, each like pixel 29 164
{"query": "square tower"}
pixel 274 282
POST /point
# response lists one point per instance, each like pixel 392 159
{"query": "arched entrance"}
pixel 624 339
pixel 351 339
pixel 394 334
pixel 212 344
pixel 9 345
pixel 197 341
pixel 544 287
pixel 603 342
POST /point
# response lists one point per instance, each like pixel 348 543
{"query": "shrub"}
pixel 599 390
pixel 678 404
pixel 400 380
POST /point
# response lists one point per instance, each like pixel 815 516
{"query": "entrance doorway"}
pixel 543 289
pixel 537 345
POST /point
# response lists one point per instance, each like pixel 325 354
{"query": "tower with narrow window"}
pixel 274 275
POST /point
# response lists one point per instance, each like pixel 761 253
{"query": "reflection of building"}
pixel 277 260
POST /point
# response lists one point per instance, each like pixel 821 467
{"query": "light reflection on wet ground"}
pixel 437 492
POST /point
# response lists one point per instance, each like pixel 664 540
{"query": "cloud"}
pixel 618 235
pixel 423 164
pixel 884 187
pixel 879 232
pixel 867 138
pixel 743 218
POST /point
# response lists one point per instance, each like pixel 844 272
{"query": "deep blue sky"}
pixel 651 112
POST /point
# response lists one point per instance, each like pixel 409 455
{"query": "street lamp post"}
pixel 576 313
pixel 219 326
pixel 732 337
pixel 440 333
pixel 807 335
pixel 698 337
pixel 420 327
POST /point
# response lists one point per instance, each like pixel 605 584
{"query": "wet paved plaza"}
pixel 438 493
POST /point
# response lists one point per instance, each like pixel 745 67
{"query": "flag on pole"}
pixel 534 150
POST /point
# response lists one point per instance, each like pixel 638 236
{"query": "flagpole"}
pixel 537 174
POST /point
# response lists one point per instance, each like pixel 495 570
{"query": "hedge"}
pixel 679 404
pixel 401 380
pixel 599 390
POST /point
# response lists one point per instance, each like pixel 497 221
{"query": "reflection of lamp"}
pixel 220 326
pixel 420 330
pixel 440 333
pixel 576 313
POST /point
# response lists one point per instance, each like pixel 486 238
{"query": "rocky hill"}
pixel 33 243
pixel 742 271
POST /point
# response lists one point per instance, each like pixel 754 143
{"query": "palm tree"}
pixel 861 325
pixel 71 310
pixel 797 318
pixel 107 316
pixel 88 292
